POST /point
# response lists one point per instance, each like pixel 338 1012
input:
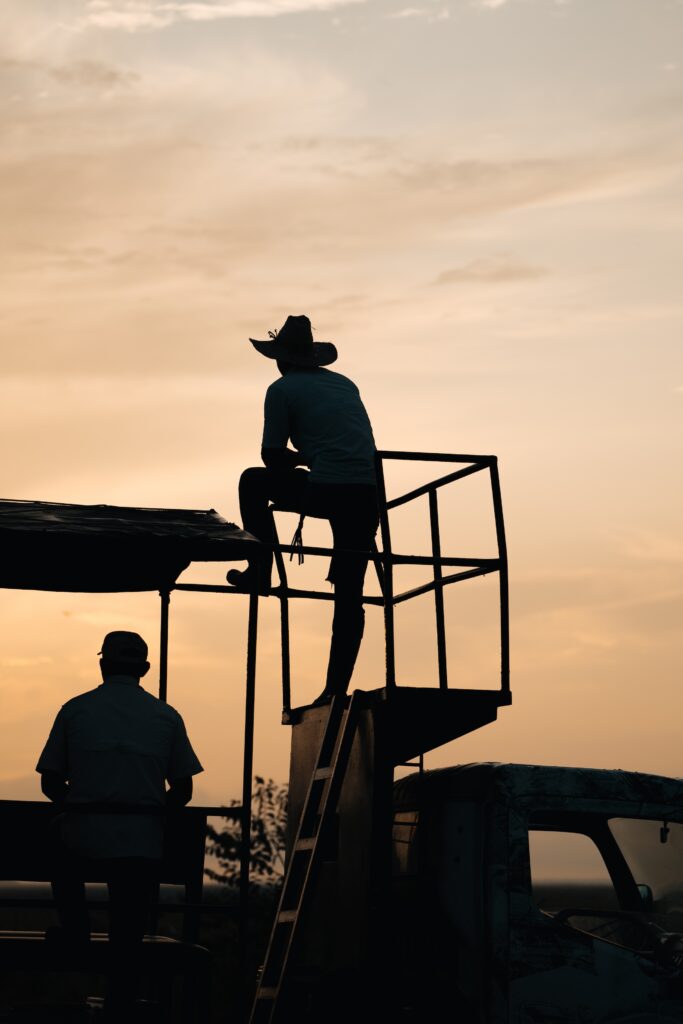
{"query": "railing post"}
pixel 284 621
pixel 165 596
pixel 388 572
pixel 245 851
pixel 438 592
pixel 502 578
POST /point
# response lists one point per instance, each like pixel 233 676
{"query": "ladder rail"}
pixel 319 806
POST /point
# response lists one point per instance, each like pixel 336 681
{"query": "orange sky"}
pixel 479 202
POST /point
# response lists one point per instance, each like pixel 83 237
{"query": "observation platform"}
pixel 409 720
pixel 100 548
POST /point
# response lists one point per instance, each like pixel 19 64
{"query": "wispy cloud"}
pixel 139 15
pixel 494 270
pixel 493 5
pixel 425 13
pixel 32 662
pixel 409 12
pixel 91 73
pixel 653 547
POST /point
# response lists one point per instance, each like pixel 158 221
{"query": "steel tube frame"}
pixel 438 590
pixel 502 578
pixel 428 488
pixel 165 596
pixel 373 556
pixel 427 588
pixel 248 764
pixel 384 562
pixel 388 573
pixel 283 593
pixel 479 460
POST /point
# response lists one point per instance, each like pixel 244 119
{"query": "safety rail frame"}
pixel 386 559
pixel 384 562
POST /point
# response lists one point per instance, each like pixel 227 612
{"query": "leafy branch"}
pixel 268 826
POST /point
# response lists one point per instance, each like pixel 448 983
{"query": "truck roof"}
pixel 529 783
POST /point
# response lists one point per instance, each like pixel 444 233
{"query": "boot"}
pixel 244 580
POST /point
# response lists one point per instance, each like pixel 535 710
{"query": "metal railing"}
pixel 471 567
pixel 384 559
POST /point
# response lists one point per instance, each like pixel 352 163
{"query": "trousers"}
pixel 131 884
pixel 353 515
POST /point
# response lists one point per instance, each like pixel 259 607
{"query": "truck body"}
pixel 526 894
pixel 488 893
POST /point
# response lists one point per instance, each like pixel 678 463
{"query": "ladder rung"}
pixel 266 993
pixel 335 747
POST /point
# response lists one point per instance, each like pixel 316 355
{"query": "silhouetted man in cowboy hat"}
pixel 321 412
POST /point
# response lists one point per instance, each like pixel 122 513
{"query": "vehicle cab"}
pixel 534 894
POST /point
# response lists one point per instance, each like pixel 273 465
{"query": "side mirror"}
pixel 646 897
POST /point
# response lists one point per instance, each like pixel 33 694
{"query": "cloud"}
pixel 653 548
pixel 138 15
pixel 427 14
pixel 22 662
pixel 493 5
pixel 494 270
pixel 90 73
pixel 409 12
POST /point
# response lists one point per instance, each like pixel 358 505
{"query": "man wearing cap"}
pixel 321 412
pixel 116 744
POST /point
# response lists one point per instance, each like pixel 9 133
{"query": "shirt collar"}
pixel 124 680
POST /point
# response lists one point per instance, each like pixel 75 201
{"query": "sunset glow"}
pixel 479 203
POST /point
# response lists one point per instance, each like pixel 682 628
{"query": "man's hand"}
pixel 282 458
pixel 54 786
pixel 179 792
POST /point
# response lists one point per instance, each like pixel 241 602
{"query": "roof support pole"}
pixel 503 579
pixel 438 590
pixel 284 621
pixel 245 845
pixel 388 575
pixel 165 596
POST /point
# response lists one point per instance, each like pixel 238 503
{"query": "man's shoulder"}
pixel 82 699
pixel 306 379
pixel 277 387
pixel 341 379
pixel 100 693
pixel 153 703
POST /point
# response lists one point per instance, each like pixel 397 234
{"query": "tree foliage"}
pixel 268 825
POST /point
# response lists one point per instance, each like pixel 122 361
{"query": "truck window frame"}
pixel 594 825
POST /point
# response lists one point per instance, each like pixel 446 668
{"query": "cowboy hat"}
pixel 294 344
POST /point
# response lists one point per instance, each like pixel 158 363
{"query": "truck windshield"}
pixel 654 853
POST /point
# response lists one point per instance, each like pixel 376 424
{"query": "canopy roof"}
pixel 103 548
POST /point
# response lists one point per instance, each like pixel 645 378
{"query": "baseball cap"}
pixel 121 645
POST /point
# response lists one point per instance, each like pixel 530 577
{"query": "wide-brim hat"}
pixel 294 344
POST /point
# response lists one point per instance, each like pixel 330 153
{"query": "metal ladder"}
pixel 317 813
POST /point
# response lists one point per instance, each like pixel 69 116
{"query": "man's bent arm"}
pixel 54 786
pixel 282 458
pixel 179 792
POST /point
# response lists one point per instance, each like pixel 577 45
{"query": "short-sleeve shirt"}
pixel 323 415
pixel 118 744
